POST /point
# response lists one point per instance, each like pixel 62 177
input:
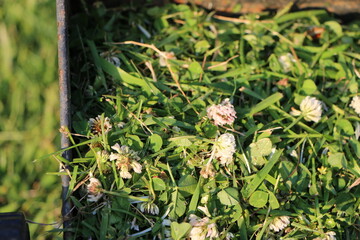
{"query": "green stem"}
pixel 293 123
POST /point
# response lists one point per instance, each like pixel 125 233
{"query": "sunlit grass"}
pixel 28 111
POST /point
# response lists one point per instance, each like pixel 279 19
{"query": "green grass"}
pixel 269 169
pixel 29 111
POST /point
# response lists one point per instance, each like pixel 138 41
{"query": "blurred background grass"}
pixel 29 112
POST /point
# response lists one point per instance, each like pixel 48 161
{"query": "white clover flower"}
pixel 96 123
pixel 202 228
pixel 149 207
pixel 310 108
pixel 355 104
pixel 207 171
pixel 223 113
pixel 212 231
pixel 330 235
pixel 197 233
pixel 224 148
pixel 286 61
pixel 94 190
pixel 279 223
pixel 126 160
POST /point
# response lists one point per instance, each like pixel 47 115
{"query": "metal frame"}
pixel 65 116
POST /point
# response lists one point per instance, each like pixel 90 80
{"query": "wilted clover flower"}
pixel 310 109
pixel 202 228
pixel 355 104
pixel 149 207
pixel 223 113
pixel 95 125
pixel 279 223
pixel 126 159
pixel 94 190
pixel 111 57
pixel 207 171
pixel 286 62
pixel 225 147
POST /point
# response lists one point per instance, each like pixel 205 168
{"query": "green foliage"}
pixel 179 231
pixel 275 162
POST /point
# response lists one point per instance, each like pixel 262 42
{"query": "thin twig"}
pixel 238 20
pixel 202 66
pixel 232 130
pixel 81 183
pixel 223 63
pixel 297 60
pixel 150 67
pixel 270 129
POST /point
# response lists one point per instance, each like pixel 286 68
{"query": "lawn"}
pixel 194 125
pixel 29 112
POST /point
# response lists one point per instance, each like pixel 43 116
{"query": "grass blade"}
pixel 261 175
pixel 265 103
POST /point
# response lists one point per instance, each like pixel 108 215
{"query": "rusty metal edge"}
pixel 65 116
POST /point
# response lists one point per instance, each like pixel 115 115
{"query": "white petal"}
pixel 295 112
pixel 136 166
pixel 357 131
pixel 116 147
pixel 113 156
pixel 155 210
pixel 204 210
pixel 125 174
pixel 94 198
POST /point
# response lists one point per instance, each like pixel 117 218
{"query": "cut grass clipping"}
pixel 191 125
